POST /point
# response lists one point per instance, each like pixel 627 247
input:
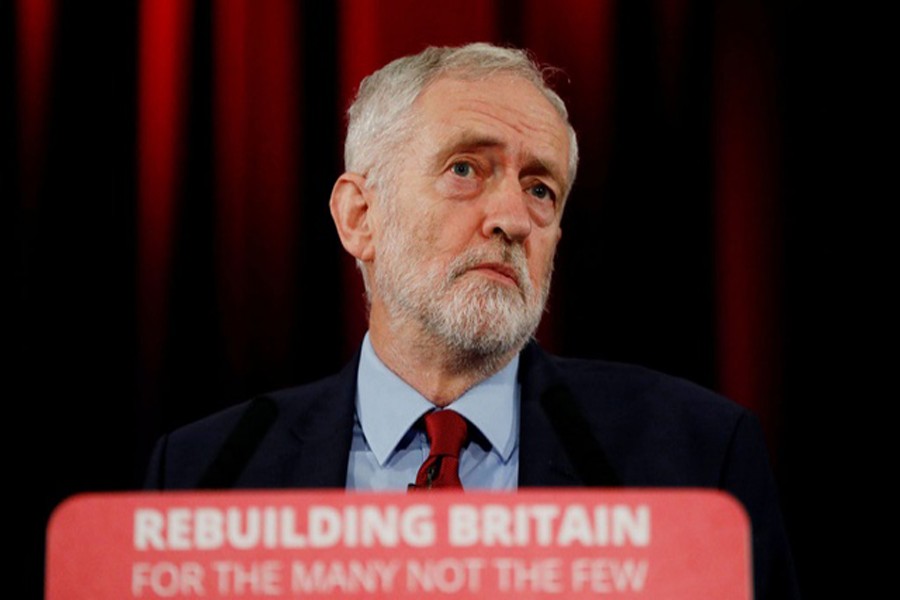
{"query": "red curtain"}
pixel 255 144
pixel 746 200
pixel 257 171
pixel 162 72
pixel 246 75
pixel 256 71
pixel 35 21
pixel 225 123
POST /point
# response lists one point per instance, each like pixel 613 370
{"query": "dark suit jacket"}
pixel 583 423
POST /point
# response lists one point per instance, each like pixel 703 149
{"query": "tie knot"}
pixel 446 431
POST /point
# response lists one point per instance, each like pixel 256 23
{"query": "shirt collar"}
pixel 387 406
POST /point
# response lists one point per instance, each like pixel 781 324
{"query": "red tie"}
pixel 446 431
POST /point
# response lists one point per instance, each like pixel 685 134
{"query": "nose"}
pixel 506 212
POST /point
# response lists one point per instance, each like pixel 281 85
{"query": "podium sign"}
pixel 672 544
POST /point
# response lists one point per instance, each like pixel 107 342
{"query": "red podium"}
pixel 662 544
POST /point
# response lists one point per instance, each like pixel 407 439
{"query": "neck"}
pixel 440 374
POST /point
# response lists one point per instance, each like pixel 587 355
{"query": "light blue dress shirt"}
pixel 388 449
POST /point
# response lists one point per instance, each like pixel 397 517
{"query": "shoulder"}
pixel 656 429
pixel 291 406
pixel 659 430
pixel 634 388
pixel 619 389
pixel 266 429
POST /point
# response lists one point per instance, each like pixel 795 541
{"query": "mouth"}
pixel 500 272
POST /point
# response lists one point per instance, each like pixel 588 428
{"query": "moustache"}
pixel 511 256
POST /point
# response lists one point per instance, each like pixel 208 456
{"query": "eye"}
pixel 462 169
pixel 541 191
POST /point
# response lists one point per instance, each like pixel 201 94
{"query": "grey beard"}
pixel 475 322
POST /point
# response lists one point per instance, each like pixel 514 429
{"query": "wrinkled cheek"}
pixel 546 272
pixel 429 228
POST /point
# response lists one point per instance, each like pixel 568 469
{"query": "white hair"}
pixel 380 119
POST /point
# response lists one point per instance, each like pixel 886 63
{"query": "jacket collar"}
pixel 323 430
pixel 557 447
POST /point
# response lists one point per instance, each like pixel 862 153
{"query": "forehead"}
pixel 506 107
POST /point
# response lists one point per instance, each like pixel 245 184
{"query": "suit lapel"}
pixel 323 432
pixel 556 445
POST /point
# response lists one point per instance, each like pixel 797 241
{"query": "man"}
pixel 459 162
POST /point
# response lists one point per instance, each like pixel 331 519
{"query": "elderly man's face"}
pixel 469 225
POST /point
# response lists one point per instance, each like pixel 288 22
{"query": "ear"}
pixel 350 210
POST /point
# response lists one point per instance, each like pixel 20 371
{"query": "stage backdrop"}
pixel 172 160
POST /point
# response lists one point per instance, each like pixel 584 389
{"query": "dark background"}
pixel 164 193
